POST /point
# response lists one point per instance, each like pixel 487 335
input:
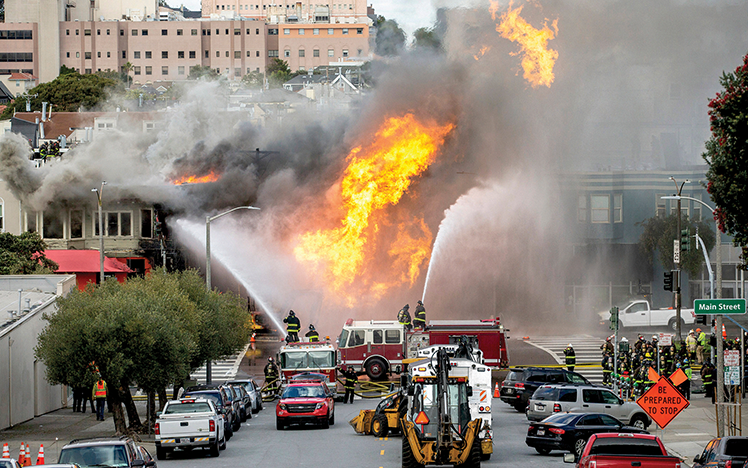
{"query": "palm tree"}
pixel 127 67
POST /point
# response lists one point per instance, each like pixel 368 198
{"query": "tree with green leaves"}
pixel 126 69
pixel 427 40
pixel 24 255
pixel 727 156
pixel 149 332
pixel 390 38
pixel 202 72
pixel 278 72
pixel 659 234
pixel 66 93
pixel 254 79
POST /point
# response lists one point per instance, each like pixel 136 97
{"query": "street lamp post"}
pixel 208 219
pixel 676 257
pixel 718 319
pixel 99 194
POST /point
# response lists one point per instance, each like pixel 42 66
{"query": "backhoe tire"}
pixel 473 460
pixel 379 426
pixel 409 461
pixel 376 369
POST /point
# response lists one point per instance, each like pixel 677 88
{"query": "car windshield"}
pixel 208 396
pixel 184 408
pixel 304 392
pixel 6 464
pixel 95 456
pixel 546 394
pixel 561 418
pixel 737 447
pixel 625 446
pixel 514 376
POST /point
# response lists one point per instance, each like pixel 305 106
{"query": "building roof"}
pixel 84 261
pixel 22 77
pixel 9 313
pixel 29 130
pixel 5 94
pixel 60 123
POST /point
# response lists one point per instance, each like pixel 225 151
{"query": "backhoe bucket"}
pixel 362 423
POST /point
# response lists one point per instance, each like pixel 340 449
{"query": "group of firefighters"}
pixel 632 374
pixel 419 320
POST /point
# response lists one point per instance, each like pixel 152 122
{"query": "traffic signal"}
pixel 668 281
pixel 701 319
pixel 685 240
pixel 614 318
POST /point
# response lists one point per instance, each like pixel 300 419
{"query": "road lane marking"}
pixel 382 452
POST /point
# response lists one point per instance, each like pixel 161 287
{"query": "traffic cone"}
pixel 724 332
pixel 27 460
pixel 6 450
pixel 40 457
pixel 496 393
pixel 252 340
pixel 22 453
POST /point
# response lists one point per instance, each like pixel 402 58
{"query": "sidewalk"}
pixel 687 435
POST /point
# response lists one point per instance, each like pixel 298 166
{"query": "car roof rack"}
pixel 94 439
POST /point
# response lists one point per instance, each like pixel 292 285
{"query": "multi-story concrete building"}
pixel 307 11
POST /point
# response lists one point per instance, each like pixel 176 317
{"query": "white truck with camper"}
pixel 189 423
pixel 640 314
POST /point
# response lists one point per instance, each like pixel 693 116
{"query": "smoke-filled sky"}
pixel 627 73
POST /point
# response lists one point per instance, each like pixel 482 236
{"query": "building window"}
pixel 76 224
pixel 227 31
pixel 180 54
pixel 359 30
pixel 301 32
pixel 237 54
pixel 249 53
pixel 134 32
pixel 302 53
pixel 68 56
pixel 257 31
pixel 164 32
pixel 2 226
pixel 217 31
pixel 164 54
pixel 618 208
pixel 108 55
pixel 98 54
pixel 180 70
pixel 144 32
pixel 227 54
pixel 77 55
pixel 287 53
pixel 148 54
pixel 660 206
pixel 272 53
pixel 98 32
pixel 107 32
pixel 192 54
pixel 330 31
pixel 257 53
pixel 345 31
pixel 77 32
pixel 237 72
pixel 149 70
pixel 137 70
pixel 249 31
pixel 237 31
pixel 193 32
pixel 51 226
pixel 31 221
pixel 582 208
pixel 146 223
pixel 121 32
pixel 315 53
pixel 124 54
pixel 345 52
pixel 360 52
pixel 286 31
pixel 136 54
pixel 206 54
pixel 164 70
pixel 272 31
pixel 67 32
pixel 315 31
pixel 218 54
pixel 600 209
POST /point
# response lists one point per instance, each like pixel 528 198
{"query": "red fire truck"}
pixel 379 347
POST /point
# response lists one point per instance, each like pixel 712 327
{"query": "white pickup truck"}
pixel 189 423
pixel 639 314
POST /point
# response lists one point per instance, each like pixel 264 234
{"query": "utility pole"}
pixel 676 260
pixel 99 194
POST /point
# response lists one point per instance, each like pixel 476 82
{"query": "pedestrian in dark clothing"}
pixel 571 358
pixel 78 401
pixel 351 379
pixel 293 326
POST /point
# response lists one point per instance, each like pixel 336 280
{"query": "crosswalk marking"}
pixel 586 348
pixel 225 369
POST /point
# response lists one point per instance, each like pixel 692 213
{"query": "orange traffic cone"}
pixel 724 332
pixel 496 393
pixel 22 453
pixel 40 457
pixel 252 340
pixel 6 450
pixel 27 460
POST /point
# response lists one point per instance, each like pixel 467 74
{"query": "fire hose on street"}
pixel 271 389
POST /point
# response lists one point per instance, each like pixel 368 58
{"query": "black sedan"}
pixel 570 431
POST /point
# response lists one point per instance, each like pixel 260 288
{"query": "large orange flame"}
pixel 481 52
pixel 537 59
pixel 212 177
pixel 378 175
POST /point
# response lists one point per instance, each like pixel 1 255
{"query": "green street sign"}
pixel 719 306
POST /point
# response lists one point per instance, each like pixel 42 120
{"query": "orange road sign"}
pixel 662 402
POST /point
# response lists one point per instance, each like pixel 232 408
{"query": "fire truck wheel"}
pixel 376 369
pixel 379 426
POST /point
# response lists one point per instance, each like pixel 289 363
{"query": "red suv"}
pixel 303 402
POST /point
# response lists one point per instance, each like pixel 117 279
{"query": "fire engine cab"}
pixel 379 347
pixel 303 358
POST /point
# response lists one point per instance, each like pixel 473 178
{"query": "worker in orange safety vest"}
pixel 99 393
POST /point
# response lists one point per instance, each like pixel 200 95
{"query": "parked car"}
pixel 724 452
pixel 219 394
pixel 624 450
pixel 188 423
pixel 550 399
pixel 570 431
pixel 521 383
pixel 305 402
pixel 253 390
pixel 9 463
pixel 640 314
pixel 146 455
pixel 103 451
pixel 245 404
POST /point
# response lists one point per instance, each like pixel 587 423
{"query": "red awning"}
pixel 84 261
